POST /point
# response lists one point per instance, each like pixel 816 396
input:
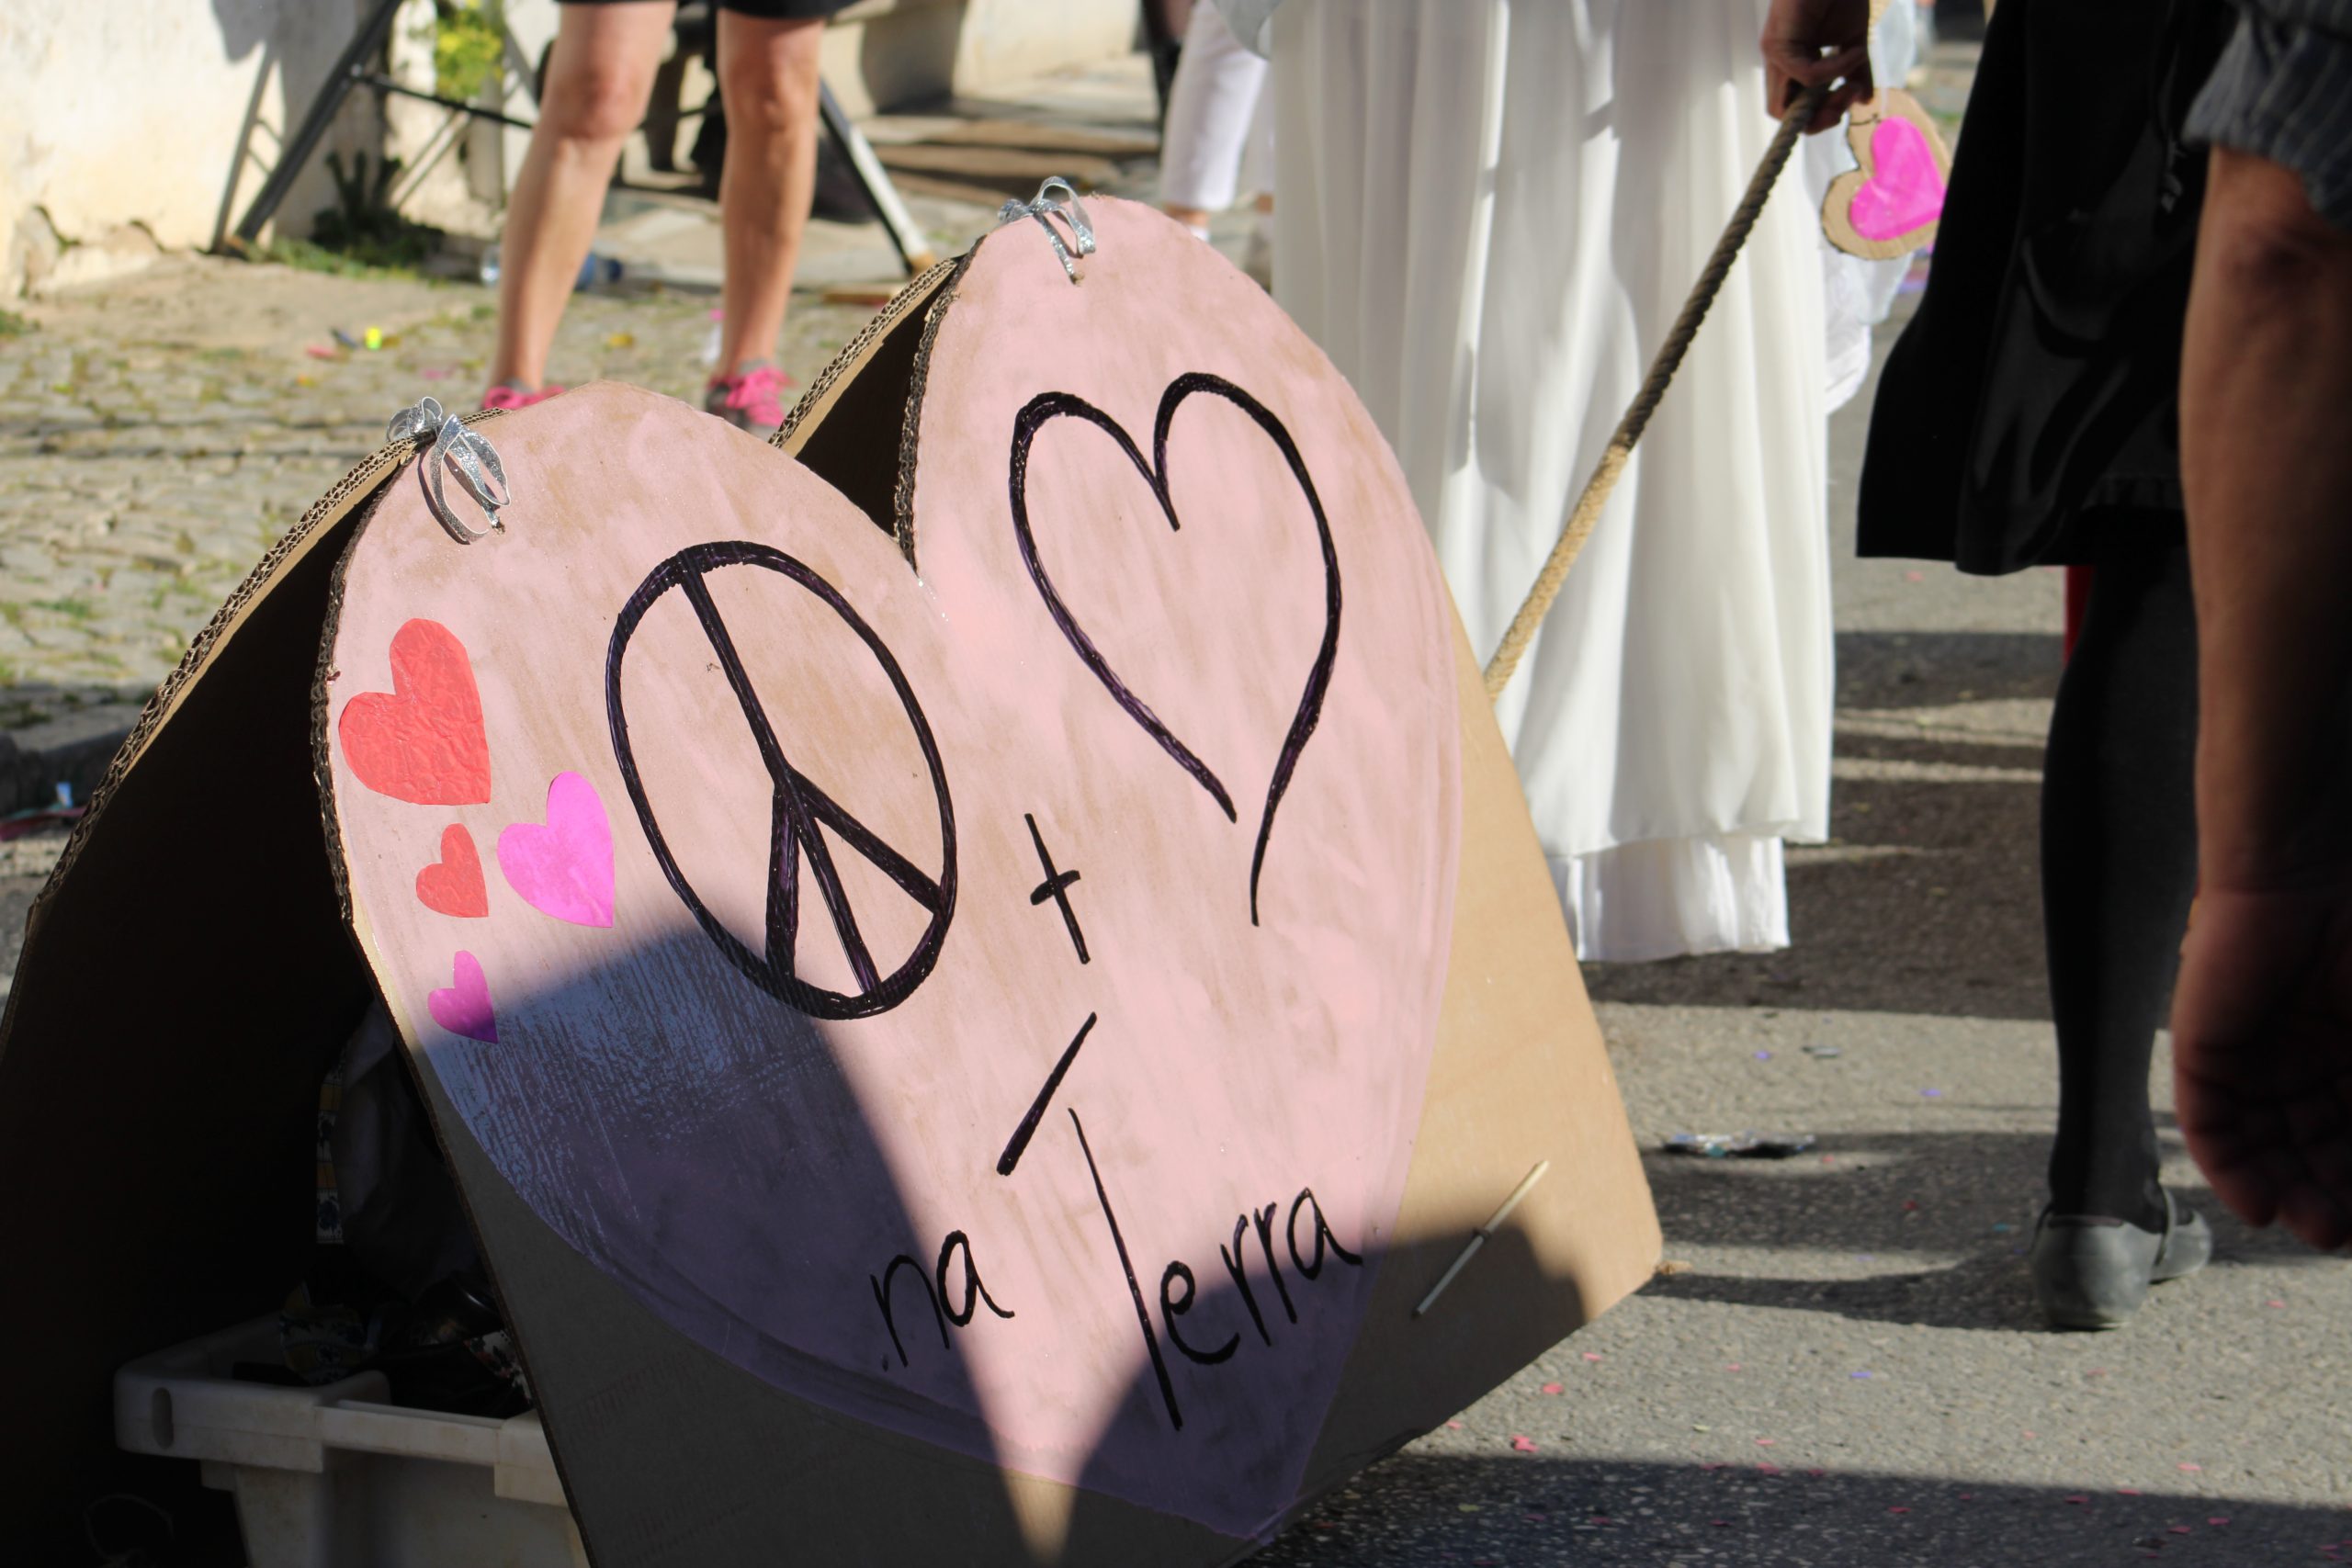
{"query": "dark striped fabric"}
pixel 2283 91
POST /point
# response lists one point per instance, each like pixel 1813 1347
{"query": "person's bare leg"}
pixel 767 78
pixel 599 78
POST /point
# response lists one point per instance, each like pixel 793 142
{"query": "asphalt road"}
pixel 1850 1373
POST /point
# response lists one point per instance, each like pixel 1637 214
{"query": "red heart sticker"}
pixel 453 885
pixel 423 740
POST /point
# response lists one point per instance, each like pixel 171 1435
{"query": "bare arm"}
pixel 2263 1020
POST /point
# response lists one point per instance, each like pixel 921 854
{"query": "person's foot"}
pixel 512 395
pixel 2091 1271
pixel 751 399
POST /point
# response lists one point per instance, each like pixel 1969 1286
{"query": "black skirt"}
pixel 2028 414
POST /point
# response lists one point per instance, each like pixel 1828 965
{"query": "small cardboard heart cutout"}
pixel 1892 204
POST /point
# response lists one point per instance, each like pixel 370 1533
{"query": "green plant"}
pixel 363 226
pixel 468 47
pixel 13 325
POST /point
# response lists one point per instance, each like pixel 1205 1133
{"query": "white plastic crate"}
pixel 332 1477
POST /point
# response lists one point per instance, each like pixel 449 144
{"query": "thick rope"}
pixel 1637 417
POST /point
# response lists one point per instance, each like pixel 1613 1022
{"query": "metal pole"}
pixel 874 180
pixel 349 71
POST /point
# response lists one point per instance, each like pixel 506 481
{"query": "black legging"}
pixel 2119 867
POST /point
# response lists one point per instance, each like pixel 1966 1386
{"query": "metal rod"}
pixel 1479 1239
pixel 386 85
pixel 874 180
pixel 293 154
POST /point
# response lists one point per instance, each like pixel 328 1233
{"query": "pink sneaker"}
pixel 749 400
pixel 510 395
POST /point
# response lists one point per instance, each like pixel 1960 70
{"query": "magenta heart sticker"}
pixel 463 1008
pixel 564 869
pixel 1905 190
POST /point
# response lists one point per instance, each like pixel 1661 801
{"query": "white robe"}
pixel 1489 213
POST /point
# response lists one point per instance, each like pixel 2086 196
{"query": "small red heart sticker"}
pixel 454 886
pixel 423 740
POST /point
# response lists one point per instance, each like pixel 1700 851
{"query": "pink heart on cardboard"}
pixel 463 1007
pixel 564 869
pixel 1904 192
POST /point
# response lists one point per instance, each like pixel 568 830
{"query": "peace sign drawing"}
pixel 834 1097
pixel 800 805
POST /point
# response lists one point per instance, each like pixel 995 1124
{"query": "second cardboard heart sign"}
pixel 994 999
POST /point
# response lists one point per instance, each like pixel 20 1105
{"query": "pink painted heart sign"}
pixel 982 976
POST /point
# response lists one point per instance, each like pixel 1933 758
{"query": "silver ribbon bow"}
pixel 1045 209
pixel 479 471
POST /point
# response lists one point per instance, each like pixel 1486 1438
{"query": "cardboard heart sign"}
pixel 1890 204
pixel 767 1064
pixel 906 1113
pixel 1043 985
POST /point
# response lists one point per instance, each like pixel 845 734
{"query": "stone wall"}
pixel 129 125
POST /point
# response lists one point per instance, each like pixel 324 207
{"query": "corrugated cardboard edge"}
pixel 358 486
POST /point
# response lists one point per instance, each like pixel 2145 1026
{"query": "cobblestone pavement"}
pixel 157 434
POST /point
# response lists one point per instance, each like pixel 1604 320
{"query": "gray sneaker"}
pixel 2091 1271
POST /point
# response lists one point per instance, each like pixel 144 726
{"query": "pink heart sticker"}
pixel 1905 190
pixel 463 1008
pixel 564 869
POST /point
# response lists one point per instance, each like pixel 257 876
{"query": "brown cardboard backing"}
pixel 185 982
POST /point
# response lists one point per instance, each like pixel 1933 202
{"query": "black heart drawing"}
pixel 1044 409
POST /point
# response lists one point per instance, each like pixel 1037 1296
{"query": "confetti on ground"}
pixel 436 373
pixel 2182 1530
pixel 1466 1507
pixel 2274 1302
pixel 2127 1490
pixel 1931 1094
pixel 621 340
pixel 1915 576
pixel 1731 1366
pixel 1556 1387
pixel 1910 1205
pixel 1898 1509
pixel 1862 1373
pixel 2218 1520
pixel 2191 1468
pixel 1522 1444
pixel 2002 1227
pixel 1768 1470
pixel 2078 1500
pixel 1763 1056
pixel 1453 1426
pixel 1968 1497
pixel 1765 1442
pixel 1591 1355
